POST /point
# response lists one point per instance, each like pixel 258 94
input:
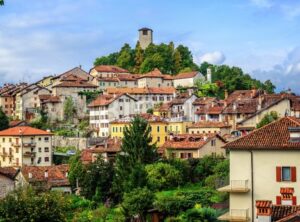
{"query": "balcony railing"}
pixel 29 154
pixel 3 154
pixel 235 215
pixel 16 144
pixel 236 186
pixel 30 144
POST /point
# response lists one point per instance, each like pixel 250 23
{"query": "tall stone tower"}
pixel 145 37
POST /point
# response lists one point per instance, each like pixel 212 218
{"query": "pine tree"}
pixel 4 121
pixel 136 151
pixel 138 59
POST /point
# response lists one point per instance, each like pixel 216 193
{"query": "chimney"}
pixel 30 175
pixel 259 102
pixel 226 93
pixel 46 174
pixel 264 210
pixel 208 75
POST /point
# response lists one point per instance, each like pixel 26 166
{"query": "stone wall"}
pixel 79 143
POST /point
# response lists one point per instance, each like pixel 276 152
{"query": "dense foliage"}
pixel 268 118
pixel 25 205
pixel 4 121
pixel 69 109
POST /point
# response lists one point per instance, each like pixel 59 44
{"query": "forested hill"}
pixel 172 60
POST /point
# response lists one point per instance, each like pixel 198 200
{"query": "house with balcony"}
pixel 185 146
pixel 106 108
pixel 264 173
pixel 24 145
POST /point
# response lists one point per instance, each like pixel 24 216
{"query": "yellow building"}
pixel 179 127
pixel 45 82
pixel 163 110
pixel 159 128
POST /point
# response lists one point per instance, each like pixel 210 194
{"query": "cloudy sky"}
pixel 42 37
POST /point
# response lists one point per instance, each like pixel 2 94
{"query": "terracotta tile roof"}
pixel 285 190
pixel 72 77
pixel 108 79
pixel 189 141
pixel 209 124
pixel 242 94
pixel 57 174
pixel 127 77
pixel 263 203
pixel 204 101
pixel 292 217
pixel 186 75
pixel 51 99
pixel 156 73
pixel 77 71
pixel 163 107
pixel 215 109
pixel 108 146
pixel 104 100
pixel 24 130
pixel 246 106
pixel 281 211
pixel 79 84
pixel 146 90
pixel 110 68
pixel 9 172
pixel 180 99
pixel 272 136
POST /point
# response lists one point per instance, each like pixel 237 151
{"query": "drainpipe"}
pixel 252 187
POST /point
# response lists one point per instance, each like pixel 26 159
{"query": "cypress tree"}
pixel 4 121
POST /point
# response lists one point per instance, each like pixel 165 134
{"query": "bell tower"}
pixel 145 37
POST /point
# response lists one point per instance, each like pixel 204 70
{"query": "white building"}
pixel 264 173
pixel 24 145
pixel 187 79
pixel 106 108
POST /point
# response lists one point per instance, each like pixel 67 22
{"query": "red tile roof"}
pixel 279 212
pixel 272 136
pixel 15 123
pixel 147 116
pixel 189 141
pixel 104 100
pixel 24 130
pixel 146 90
pixel 79 84
pixel 57 174
pixel 186 75
pixel 9 172
pixel 293 216
pixel 209 124
pixel 156 73
pixel 110 68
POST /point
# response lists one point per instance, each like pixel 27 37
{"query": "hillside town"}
pixel 90 115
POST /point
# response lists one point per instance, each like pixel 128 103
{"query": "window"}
pixel 213 142
pixel 286 174
pixel 121 108
pixel 145 32
pixel 46 159
pixel 46 149
pixel 10 140
pixel 46 139
pixel 157 128
pixel 3 140
pixel 158 139
pixel 40 149
pixel 190 155
pixel 166 129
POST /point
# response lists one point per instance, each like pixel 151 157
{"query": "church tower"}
pixel 145 37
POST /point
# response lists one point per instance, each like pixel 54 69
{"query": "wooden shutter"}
pixel 294 200
pixel 278 174
pixel 293 174
pixel 278 200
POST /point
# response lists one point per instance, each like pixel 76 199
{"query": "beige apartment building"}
pixel 24 145
pixel 264 173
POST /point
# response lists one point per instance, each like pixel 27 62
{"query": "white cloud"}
pixel 262 3
pixel 285 75
pixel 215 57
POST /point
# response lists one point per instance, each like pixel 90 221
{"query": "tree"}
pixel 139 57
pixel 1 2
pixel 4 121
pixel 269 87
pixel 268 118
pixel 200 215
pixel 69 109
pixel 162 175
pixel 111 59
pixel 125 58
pixel 206 89
pixel 26 205
pixel 177 61
pixel 76 172
pixel 136 151
pixel 137 202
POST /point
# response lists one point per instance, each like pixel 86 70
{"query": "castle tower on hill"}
pixel 145 37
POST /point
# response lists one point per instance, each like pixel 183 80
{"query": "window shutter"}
pixel 294 200
pixel 278 174
pixel 278 200
pixel 293 174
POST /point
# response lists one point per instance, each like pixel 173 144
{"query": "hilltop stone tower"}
pixel 145 37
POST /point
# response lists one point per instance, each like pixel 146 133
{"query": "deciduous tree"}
pixel 4 121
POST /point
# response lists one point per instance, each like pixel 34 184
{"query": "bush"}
pixel 200 215
pixel 26 205
pixel 162 176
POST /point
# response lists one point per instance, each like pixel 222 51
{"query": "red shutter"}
pixel 294 200
pixel 278 174
pixel 293 174
pixel 278 200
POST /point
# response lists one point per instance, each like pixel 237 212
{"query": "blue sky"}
pixel 39 38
